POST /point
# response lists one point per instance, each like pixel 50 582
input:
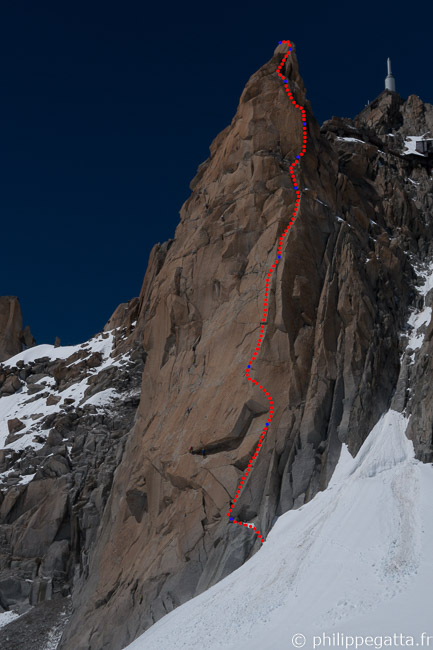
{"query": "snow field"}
pixel 356 559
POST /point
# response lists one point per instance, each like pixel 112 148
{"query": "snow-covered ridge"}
pixel 102 342
pixel 32 409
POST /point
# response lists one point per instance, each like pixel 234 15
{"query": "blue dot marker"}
pixel 249 366
pixel 279 42
pixel 279 257
pixel 267 424
pixel 231 518
pixel 298 156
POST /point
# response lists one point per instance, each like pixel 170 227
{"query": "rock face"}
pixel 339 301
pixel 99 495
pixel 57 461
pixel 12 337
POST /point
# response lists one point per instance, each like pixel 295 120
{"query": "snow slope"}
pixel 7 617
pixel 33 409
pixel 355 560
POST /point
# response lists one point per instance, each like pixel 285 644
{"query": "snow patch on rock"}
pixel 410 145
pixel 421 317
pixel 7 617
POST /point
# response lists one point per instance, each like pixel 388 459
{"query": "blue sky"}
pixel 107 109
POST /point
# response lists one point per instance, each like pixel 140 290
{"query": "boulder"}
pixel 35 388
pixel 11 385
pixel 27 338
pixel 15 425
pixel 52 400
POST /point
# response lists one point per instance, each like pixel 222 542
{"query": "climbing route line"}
pixel 265 307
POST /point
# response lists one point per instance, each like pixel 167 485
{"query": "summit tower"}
pixel 389 79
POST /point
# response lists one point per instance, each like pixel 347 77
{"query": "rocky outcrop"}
pixel 330 357
pixel 39 629
pixel 12 337
pixel 414 388
pixel 57 462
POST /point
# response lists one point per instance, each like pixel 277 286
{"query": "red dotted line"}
pixel 265 309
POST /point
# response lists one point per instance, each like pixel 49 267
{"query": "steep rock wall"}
pixel 330 356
